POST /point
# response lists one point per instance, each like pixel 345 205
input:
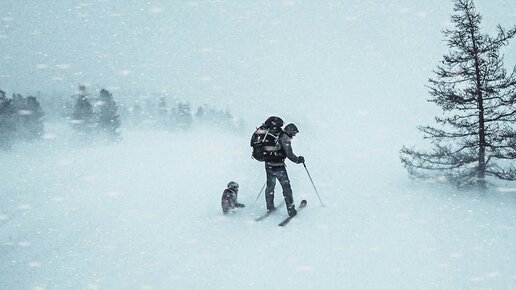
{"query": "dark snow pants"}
pixel 280 173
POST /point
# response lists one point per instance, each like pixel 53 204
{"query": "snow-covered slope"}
pixel 145 214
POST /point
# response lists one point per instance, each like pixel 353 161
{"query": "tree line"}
pixel 94 116
pixel 180 115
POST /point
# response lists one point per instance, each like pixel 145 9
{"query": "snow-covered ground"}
pixel 145 213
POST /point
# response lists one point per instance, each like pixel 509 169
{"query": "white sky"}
pixel 247 54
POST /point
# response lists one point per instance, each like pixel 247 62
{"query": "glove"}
pixel 300 159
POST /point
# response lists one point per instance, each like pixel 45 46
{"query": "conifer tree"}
pixel 82 117
pixel 29 117
pixel 476 136
pixel 162 106
pixel 19 104
pixel 108 120
pixel 7 121
pixel 181 117
pixel 35 125
pixel 163 117
pixel 200 114
pixel 136 115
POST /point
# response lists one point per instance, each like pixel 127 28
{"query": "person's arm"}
pixel 286 144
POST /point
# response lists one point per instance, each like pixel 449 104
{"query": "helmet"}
pixel 233 185
pixel 291 129
pixel 273 121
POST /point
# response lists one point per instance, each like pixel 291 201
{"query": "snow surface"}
pixel 145 213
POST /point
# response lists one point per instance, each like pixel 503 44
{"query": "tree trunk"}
pixel 481 173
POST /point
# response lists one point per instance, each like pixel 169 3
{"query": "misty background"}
pixel 334 57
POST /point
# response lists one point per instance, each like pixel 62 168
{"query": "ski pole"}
pixel 311 180
pixel 260 192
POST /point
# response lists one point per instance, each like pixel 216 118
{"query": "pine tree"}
pixel 162 106
pixel 476 137
pixel 82 117
pixel 35 125
pixel 181 117
pixel 137 115
pixel 7 121
pixel 200 114
pixel 29 117
pixel 108 120
pixel 19 104
pixel 163 117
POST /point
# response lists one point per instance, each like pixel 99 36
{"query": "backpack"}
pixel 265 141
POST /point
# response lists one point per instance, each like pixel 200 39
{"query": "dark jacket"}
pixel 285 146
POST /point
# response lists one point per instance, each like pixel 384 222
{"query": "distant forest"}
pixel 99 114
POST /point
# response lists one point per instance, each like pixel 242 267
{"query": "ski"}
pixel 265 215
pixel 287 220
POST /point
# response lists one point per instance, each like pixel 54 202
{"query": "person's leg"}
pixel 287 190
pixel 269 190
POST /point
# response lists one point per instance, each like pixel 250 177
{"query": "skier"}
pixel 229 198
pixel 275 167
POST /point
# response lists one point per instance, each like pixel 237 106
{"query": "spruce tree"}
pixel 35 126
pixel 163 117
pixel 29 117
pixel 200 114
pixel 137 115
pixel 82 117
pixel 162 106
pixel 108 120
pixel 7 121
pixel 19 103
pixel 181 117
pixel 476 136
pixel 184 115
